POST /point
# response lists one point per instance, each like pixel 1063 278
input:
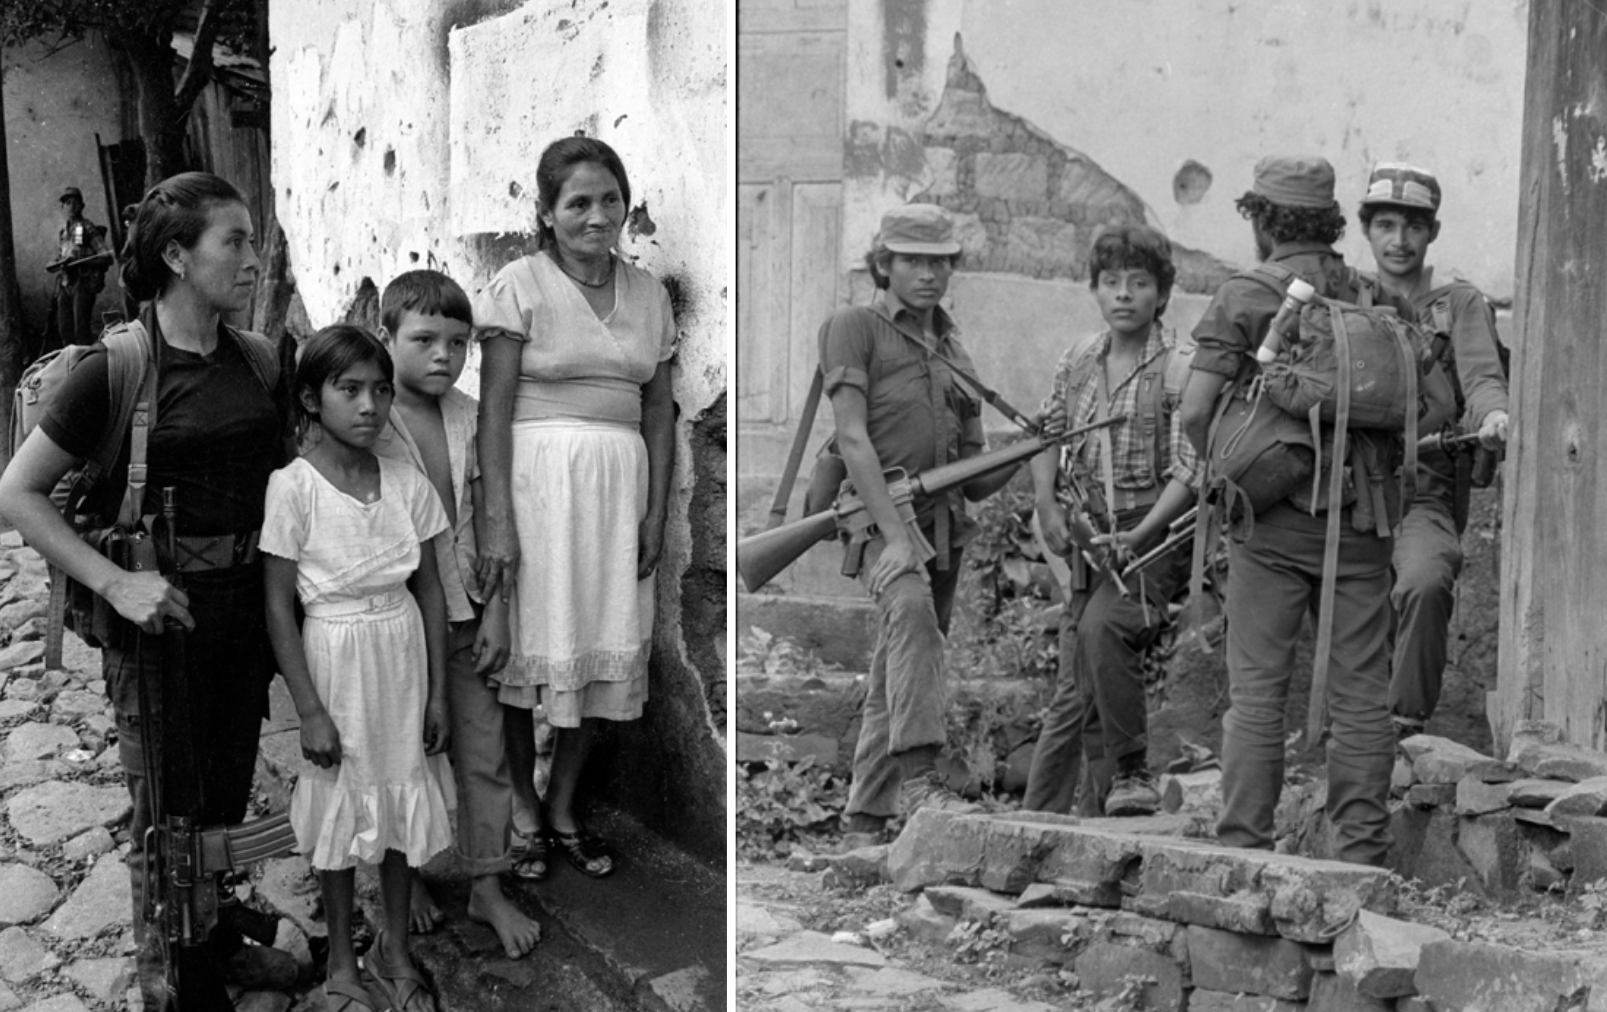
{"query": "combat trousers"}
pixel 1100 708
pixel 907 692
pixel 1274 579
pixel 1427 560
pixel 75 312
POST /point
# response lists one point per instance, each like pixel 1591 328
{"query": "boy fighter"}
pixel 1399 215
pixel 898 404
pixel 1148 472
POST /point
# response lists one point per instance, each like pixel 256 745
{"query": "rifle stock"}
pixel 762 556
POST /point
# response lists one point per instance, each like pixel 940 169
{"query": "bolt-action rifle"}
pixel 762 556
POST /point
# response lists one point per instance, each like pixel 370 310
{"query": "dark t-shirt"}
pixel 218 435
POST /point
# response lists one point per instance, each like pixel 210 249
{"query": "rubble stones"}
pixel 1104 968
pixel 1587 797
pixel 1475 797
pixel 1229 961
pixel 25 894
pixel 1038 935
pixel 18 654
pixel 925 923
pixel 1333 993
pixel 1479 977
pixel 1203 1000
pixel 105 978
pixel 102 900
pixel 1532 793
pixel 90 843
pixel 75 703
pixel 1556 760
pixel 56 810
pixel 968 904
pixel 1378 955
pixel 1437 760
pixel 1432 795
pixel 60 1003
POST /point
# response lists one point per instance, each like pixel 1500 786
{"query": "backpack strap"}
pixel 261 354
pixel 134 414
pixel 1330 551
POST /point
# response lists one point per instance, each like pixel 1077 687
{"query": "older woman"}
pixel 219 430
pixel 576 449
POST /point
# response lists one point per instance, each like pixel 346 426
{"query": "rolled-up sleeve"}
pixel 1222 337
pixel 1478 357
pixel 1185 462
pixel 846 343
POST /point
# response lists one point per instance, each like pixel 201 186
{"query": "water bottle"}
pixel 1286 322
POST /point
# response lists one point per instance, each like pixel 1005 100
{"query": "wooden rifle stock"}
pixel 762 556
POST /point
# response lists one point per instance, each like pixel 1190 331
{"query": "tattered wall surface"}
pixel 406 135
pixel 55 104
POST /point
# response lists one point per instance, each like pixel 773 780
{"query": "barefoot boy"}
pixel 426 322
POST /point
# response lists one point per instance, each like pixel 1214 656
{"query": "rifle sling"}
pixel 789 473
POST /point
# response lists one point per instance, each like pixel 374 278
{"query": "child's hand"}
pixel 492 644
pixel 320 741
pixel 436 735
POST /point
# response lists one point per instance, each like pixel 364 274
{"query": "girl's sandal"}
pixel 591 855
pixel 532 857
pixel 403 987
pixel 340 996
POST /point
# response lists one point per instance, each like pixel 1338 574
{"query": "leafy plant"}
pixel 761 651
pixel 779 800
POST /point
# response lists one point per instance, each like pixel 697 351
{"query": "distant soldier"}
pixel 80 268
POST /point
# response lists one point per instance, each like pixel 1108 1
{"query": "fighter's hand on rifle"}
pixel 320 741
pixel 1063 530
pixel 1115 551
pixel 1493 430
pixel 148 601
pixel 1050 423
pixel 899 556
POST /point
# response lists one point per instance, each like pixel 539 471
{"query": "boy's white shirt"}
pixel 455 554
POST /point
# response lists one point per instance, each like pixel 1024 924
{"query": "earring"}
pixel 181 274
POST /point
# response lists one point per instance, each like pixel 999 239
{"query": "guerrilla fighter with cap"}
pixel 80 266
pixel 1400 217
pixel 898 404
pixel 1275 572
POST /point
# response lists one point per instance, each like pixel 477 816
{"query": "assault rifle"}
pixel 762 556
pixel 70 264
pixel 183 860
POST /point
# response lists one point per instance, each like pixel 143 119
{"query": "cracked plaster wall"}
pixel 406 135
pixel 1060 117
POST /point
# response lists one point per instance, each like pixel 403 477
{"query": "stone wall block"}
pixel 1105 967
pixel 1475 797
pixel 1229 961
pixel 1433 795
pixel 967 903
pixel 1437 760
pixel 1587 797
pixel 1378 955
pixel 940 163
pixel 1496 849
pixel 1040 935
pixel 1479 977
pixel 1535 793
pixel 1333 993
pixel 1585 852
pixel 1557 760
pixel 1012 176
pixel 1204 1000
pixel 923 922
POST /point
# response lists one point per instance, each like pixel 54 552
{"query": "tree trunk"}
pixel 12 335
pixel 1552 639
pixel 161 121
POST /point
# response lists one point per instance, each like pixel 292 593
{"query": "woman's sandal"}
pixel 340 996
pixel 591 855
pixel 404 987
pixel 532 857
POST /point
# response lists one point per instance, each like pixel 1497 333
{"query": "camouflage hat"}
pixel 71 192
pixel 920 229
pixel 1295 180
pixel 1402 185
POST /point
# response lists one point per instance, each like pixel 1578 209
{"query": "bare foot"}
pixel 487 905
pixel 423 915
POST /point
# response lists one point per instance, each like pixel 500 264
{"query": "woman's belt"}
pixel 357 605
pixel 200 554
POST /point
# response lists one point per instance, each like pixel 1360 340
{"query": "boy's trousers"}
pixel 1428 559
pixel 1103 637
pixel 907 695
pixel 1274 579
pixel 479 760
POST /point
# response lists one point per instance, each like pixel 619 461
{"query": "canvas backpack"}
pixel 1365 381
pixel 130 415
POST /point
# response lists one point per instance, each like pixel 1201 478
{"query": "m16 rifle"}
pixel 762 556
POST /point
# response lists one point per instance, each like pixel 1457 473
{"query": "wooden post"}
pixel 1553 638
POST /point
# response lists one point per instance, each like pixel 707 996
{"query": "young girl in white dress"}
pixel 346 531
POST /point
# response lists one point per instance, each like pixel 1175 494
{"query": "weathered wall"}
pixel 1060 117
pixel 55 104
pixel 406 135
